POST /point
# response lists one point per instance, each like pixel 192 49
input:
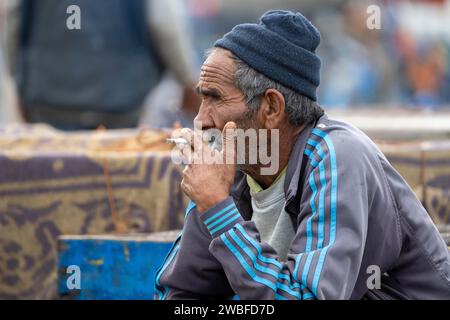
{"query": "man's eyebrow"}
pixel 207 92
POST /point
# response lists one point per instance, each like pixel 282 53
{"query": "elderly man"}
pixel 335 222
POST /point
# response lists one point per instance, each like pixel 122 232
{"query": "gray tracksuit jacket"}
pixel 356 221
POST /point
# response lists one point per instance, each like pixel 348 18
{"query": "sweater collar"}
pixel 255 187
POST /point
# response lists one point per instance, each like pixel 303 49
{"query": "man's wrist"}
pixel 221 217
pixel 211 202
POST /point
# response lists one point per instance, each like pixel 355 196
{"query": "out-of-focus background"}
pixel 89 91
pixel 404 64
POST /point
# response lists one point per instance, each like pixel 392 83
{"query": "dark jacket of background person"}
pixel 101 74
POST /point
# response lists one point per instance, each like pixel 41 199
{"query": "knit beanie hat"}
pixel 282 47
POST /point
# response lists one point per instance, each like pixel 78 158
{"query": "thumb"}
pixel 229 142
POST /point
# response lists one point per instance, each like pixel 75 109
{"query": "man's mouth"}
pixel 213 138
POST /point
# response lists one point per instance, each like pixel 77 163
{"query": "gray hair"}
pixel 299 108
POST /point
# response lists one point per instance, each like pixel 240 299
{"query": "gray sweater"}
pixel 273 223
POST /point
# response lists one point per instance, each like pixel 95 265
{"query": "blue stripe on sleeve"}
pixel 252 257
pixel 216 215
pixel 308 296
pixel 263 269
pixel 222 218
pixel 245 265
pixel 258 248
pixel 248 269
pixel 264 259
pixel 235 217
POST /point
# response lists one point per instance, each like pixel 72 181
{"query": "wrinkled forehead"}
pixel 218 68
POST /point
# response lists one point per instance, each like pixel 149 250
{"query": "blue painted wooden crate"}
pixel 111 266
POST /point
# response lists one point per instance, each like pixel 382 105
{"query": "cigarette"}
pixel 177 141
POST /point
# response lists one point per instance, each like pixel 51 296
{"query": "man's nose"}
pixel 203 120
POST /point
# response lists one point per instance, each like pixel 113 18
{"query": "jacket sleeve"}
pixel 190 271
pixel 325 256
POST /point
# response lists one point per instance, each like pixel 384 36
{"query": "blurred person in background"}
pixel 101 73
pixel 3 102
pixel 424 65
pixel 421 45
pixel 8 105
pixel 2 68
pixel 357 69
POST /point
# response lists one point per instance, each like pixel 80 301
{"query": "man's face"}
pixel 221 100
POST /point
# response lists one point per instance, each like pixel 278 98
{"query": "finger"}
pixel 229 142
pixel 201 148
pixel 201 138
pixel 179 156
pixel 186 154
pixel 185 133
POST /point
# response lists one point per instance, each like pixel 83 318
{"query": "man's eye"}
pixel 212 98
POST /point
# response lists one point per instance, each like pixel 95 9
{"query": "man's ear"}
pixel 273 109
